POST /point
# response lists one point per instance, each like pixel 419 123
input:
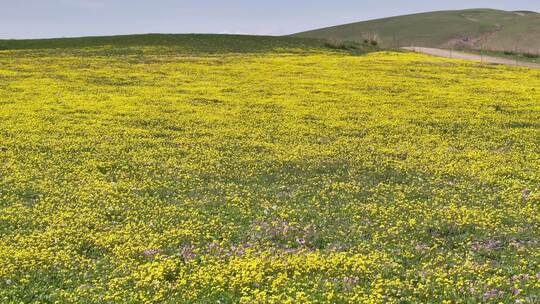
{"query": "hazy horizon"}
pixel 74 18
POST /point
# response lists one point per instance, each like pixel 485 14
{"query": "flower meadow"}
pixel 152 175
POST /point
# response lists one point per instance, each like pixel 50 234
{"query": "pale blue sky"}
pixel 63 18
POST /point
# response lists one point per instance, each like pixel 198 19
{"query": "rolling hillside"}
pixel 204 169
pixel 473 28
pixel 212 43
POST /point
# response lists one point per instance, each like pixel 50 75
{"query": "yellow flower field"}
pixel 149 175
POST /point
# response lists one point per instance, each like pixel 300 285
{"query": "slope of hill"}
pixel 472 28
pixel 189 42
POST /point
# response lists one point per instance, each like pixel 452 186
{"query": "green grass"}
pixel 182 43
pixel 493 29
pixel 212 43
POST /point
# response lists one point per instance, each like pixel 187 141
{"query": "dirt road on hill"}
pixel 469 56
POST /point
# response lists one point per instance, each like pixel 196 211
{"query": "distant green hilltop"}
pixel 472 28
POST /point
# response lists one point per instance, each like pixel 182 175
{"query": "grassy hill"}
pixel 156 176
pixel 473 28
pixel 212 43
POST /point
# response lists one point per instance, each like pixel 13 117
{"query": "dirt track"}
pixel 468 56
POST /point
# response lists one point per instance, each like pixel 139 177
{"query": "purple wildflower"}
pixel 493 293
pixel 186 252
pixel 151 252
pixel 525 193
pixel 521 277
pixel 487 245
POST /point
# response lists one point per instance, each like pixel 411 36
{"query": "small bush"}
pixel 530 55
pixel 350 46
